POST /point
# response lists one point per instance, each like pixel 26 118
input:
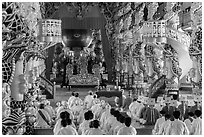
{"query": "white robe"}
pixel 164 127
pixel 68 130
pixel 188 124
pixel 177 127
pixel 127 131
pixel 158 125
pixel 196 127
pixel 95 131
pixel 83 127
pixel 50 111
pixel 88 100
pixel 70 101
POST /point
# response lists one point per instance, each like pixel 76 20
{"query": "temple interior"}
pixel 100 68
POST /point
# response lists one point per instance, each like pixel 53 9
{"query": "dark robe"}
pixel 184 111
pixel 143 111
pixel 151 115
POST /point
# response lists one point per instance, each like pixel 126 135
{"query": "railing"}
pixel 156 85
pixel 48 85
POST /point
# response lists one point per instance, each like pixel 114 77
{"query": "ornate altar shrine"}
pixel 79 73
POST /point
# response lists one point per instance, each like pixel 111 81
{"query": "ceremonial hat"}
pixel 151 101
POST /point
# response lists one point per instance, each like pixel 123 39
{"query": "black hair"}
pixel 69 121
pixel 128 121
pixel 118 117
pixel 91 115
pixel 42 106
pixel 198 113
pixel 176 114
pixel 162 112
pixel 96 124
pixel 116 113
pixel 76 94
pixel 94 96
pixel 134 99
pixel 91 124
pixel 112 111
pixel 191 114
pixel 86 116
pixel 122 119
pixel 67 115
pixel 73 94
pixel 63 115
pixel 90 93
pixel 175 97
pixel 167 116
pixel 64 123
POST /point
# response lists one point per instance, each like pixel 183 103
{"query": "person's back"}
pixel 128 129
pixel 164 127
pixel 177 127
pixel 197 124
pixel 95 129
pixel 189 121
pixel 159 123
pixel 67 129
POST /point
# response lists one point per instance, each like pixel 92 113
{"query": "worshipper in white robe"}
pixel 116 123
pixel 177 127
pixel 81 114
pixel 105 115
pixel 88 99
pixel 42 118
pixel 70 100
pixel 49 109
pixel 63 116
pixel 197 124
pixel 159 123
pixel 95 108
pixel 128 129
pixel 189 121
pixel 95 130
pixel 84 126
pixel 64 107
pixel 76 108
pixel 110 120
pixel 58 104
pixel 67 129
pixel 165 125
pixel 120 125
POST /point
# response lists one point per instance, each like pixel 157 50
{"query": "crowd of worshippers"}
pixel 93 116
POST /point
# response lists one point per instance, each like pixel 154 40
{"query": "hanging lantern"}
pixel 49 30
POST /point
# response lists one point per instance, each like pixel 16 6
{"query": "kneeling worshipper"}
pixel 105 115
pixel 128 129
pixel 159 123
pixel 189 121
pixel 88 99
pixel 69 102
pixel 151 114
pixel 127 102
pixel 95 129
pixel 49 109
pixel 84 126
pixel 66 128
pixel 197 124
pixel 177 127
pixel 120 125
pixel 165 125
pixel 43 119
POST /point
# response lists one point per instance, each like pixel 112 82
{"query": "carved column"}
pixel 15 84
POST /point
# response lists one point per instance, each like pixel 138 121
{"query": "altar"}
pixel 81 73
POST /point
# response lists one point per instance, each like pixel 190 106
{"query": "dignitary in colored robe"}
pixel 177 126
pixel 43 119
pixel 165 125
pixel 189 120
pixel 159 123
pixel 151 114
pixel 197 124
pixel 67 129
pixel 183 108
pixel 95 130
pixel 128 129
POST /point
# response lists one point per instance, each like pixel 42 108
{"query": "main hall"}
pixel 101 68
